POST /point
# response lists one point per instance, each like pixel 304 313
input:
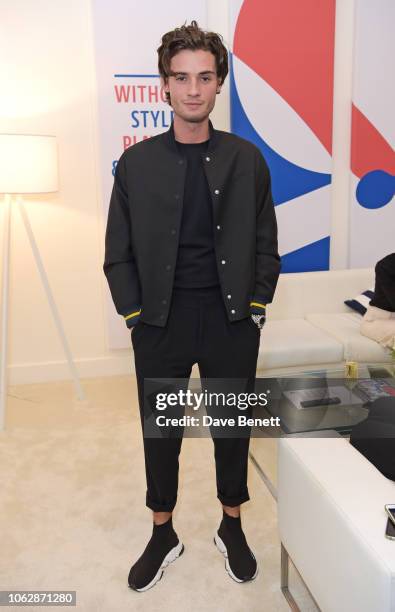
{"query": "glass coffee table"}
pixel 326 399
pixel 354 396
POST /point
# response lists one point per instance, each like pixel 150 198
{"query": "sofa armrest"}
pixel 331 521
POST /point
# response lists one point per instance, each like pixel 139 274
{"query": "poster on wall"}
pixel 372 184
pixel 131 105
pixel 281 88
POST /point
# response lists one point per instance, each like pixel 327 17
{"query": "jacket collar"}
pixel 170 140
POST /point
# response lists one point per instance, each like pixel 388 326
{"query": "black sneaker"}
pixel 230 540
pixel 163 548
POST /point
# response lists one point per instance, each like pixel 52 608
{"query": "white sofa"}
pixel 331 521
pixel 308 325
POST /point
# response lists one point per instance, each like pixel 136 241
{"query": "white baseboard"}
pixel 120 364
pixel 51 371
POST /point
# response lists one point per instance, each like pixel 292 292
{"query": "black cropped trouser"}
pixel 197 331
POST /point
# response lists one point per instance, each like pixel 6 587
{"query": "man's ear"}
pixel 164 82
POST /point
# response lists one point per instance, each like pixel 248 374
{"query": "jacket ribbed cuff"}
pixel 132 317
pixel 257 306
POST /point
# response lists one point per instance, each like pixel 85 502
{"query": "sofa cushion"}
pixel 299 293
pixel 288 298
pixel 326 291
pixel 345 327
pixel 294 342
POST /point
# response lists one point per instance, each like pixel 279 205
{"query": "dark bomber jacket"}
pixel 144 217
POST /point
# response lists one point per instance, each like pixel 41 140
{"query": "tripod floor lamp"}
pixel 28 164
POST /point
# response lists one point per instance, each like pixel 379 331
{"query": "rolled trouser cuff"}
pixel 166 506
pixel 233 501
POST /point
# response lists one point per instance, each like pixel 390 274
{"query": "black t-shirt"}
pixel 196 263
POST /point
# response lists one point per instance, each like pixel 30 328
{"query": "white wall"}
pixel 46 57
pixel 47 80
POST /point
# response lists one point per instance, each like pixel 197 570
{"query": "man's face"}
pixel 194 85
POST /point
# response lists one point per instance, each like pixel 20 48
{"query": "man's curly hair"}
pixel 191 37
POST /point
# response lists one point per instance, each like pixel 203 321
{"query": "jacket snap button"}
pixel 216 191
pixel 207 159
pixel 218 227
pixel 229 296
pixel 223 261
pixel 233 311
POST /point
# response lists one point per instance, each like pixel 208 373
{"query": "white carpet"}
pixel 73 514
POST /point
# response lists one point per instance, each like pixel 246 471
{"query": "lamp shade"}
pixel 28 163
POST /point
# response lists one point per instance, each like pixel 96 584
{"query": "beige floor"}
pixel 73 513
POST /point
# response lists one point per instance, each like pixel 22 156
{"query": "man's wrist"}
pixel 259 319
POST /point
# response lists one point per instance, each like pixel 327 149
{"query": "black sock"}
pixel 231 523
pixel 164 528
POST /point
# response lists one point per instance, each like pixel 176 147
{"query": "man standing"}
pixel 191 260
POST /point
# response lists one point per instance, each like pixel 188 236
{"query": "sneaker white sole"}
pixel 222 548
pixel 171 556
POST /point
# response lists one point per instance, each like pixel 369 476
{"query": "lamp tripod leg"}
pixel 51 301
